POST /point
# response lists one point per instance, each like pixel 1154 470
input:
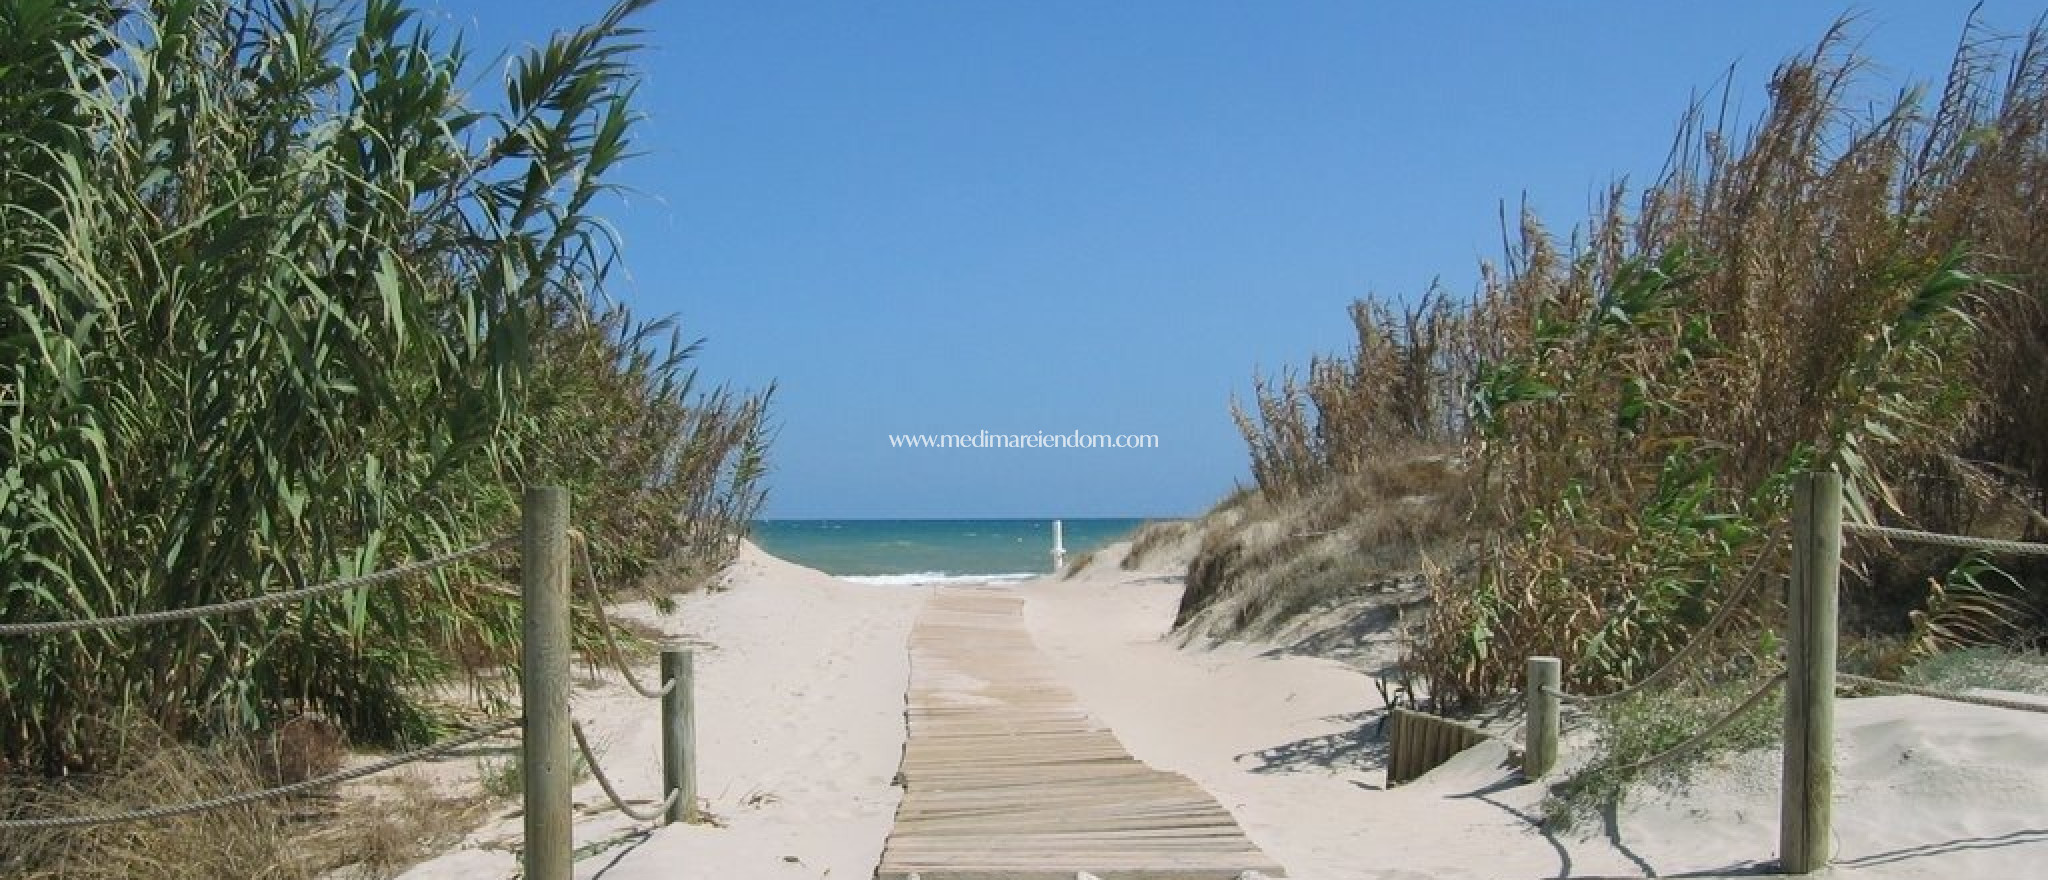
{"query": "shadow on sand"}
pixel 1359 748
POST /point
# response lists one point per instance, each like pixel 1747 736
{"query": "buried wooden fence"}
pixel 1420 742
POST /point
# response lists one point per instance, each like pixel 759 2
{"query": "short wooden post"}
pixel 1539 752
pixel 679 733
pixel 1805 822
pixel 547 752
pixel 1397 742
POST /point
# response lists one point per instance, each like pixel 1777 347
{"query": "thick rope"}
pixel 1751 581
pixel 389 574
pixel 605 783
pixel 1918 691
pixel 166 812
pixel 1990 545
pixel 1694 741
pixel 611 641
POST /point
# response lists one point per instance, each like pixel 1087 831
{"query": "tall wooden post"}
pixel 1539 754
pixel 1805 822
pixel 548 752
pixel 679 734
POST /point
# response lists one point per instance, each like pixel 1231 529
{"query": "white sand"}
pixel 800 681
pixel 1924 788
pixel 800 695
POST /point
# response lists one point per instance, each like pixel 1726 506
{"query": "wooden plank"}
pixel 1007 777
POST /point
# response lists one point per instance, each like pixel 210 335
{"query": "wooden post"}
pixel 1397 739
pixel 679 734
pixel 1059 548
pixel 547 753
pixel 1539 752
pixel 1807 798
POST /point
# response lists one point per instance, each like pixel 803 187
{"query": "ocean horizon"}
pixel 905 551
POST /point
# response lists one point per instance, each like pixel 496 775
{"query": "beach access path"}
pixel 1007 776
pixel 803 687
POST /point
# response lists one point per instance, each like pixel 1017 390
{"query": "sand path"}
pixel 801 686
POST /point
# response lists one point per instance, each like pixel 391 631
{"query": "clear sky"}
pixel 955 216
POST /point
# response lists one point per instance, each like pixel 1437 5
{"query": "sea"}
pixel 909 551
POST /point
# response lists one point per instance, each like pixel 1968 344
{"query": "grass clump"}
pixel 255 840
pixel 1639 728
pixel 1261 562
pixel 1077 565
pixel 1156 543
pixel 401 819
pixel 1982 666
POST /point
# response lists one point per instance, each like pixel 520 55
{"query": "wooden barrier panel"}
pixel 1419 742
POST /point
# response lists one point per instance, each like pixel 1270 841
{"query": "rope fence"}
pixel 235 800
pixel 1712 730
pixel 611 641
pixel 1752 580
pixel 1899 687
pixel 1966 542
pixel 605 782
pixel 1810 677
pixel 546 730
pixel 390 574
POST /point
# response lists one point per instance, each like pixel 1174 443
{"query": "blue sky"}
pixel 950 217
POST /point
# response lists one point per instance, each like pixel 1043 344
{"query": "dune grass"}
pixel 1819 286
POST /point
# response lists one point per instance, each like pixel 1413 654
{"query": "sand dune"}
pixel 800 689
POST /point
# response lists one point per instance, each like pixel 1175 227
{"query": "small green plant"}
pixel 1982 667
pixel 1976 604
pixel 1636 730
pixel 506 777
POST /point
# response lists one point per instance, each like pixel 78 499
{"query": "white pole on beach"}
pixel 1059 548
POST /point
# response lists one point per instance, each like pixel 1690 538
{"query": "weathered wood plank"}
pixel 1007 777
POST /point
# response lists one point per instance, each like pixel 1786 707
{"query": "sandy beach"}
pixel 801 680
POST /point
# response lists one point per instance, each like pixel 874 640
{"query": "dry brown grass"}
pixel 408 819
pixel 1811 290
pixel 1773 304
pixel 300 749
pixel 1261 562
pixel 382 826
pixel 1077 565
pixel 1401 388
pixel 1159 544
pixel 251 841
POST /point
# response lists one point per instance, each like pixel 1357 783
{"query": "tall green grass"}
pixel 279 303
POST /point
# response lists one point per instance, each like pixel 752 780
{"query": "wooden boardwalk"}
pixel 1006 777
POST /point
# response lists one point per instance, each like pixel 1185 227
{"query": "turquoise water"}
pixel 919 550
